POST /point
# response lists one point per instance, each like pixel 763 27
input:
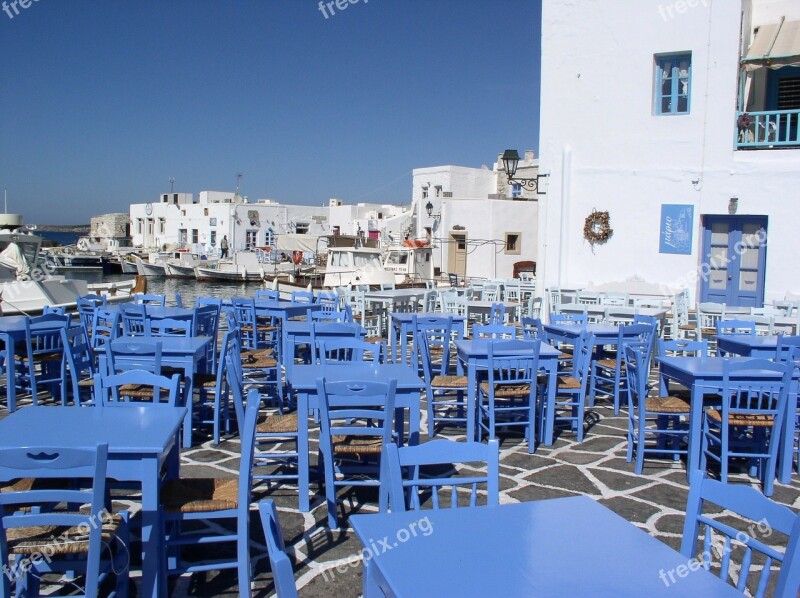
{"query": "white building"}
pixel 479 226
pixel 643 116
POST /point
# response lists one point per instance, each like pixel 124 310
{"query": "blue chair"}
pixel 788 351
pixel 341 351
pixel 42 528
pixel 496 331
pixel 736 327
pixel 267 295
pixel 329 314
pixel 415 474
pixel 607 373
pixel 134 319
pixel 213 390
pixel 137 388
pixel 87 305
pixel 507 398
pixel 651 418
pixel 219 501
pixel 39 366
pixel 275 431
pixel 59 311
pixel 168 327
pixel 145 299
pixel 749 423
pixel 204 301
pixel 758 517
pixel 79 363
pixel 785 345
pixel 569 318
pixel 254 335
pixel 355 422
pixel 178 300
pixel 139 354
pixel 303 297
pixel 321 331
pixel 205 322
pixel 569 405
pixel 106 326
pixel 531 328
pixel 262 366
pixel 497 314
pixel 682 347
pixel 445 391
pixel 282 574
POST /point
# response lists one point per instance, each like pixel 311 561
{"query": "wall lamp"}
pixel 510 164
pixel 429 210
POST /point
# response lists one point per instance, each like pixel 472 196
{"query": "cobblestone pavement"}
pixel 654 501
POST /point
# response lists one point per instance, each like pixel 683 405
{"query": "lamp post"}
pixel 510 164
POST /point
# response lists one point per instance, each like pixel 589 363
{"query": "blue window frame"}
pixel 673 83
pixel 516 190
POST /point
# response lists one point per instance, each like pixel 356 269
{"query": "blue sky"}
pixel 104 101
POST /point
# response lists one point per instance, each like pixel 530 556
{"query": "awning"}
pixel 774 46
pixel 291 242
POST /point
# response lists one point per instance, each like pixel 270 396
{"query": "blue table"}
pixel 401 328
pixel 748 345
pixel 703 375
pixel 303 379
pixel 185 353
pixel 141 441
pixel 604 334
pixel 474 354
pixel 295 333
pixel 561 547
pixel 284 310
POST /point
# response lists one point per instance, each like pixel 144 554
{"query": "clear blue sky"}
pixel 103 101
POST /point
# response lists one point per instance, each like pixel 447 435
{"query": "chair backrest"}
pixel 203 301
pixel 728 540
pixel 636 370
pixel 149 299
pixel 554 301
pixel 168 327
pixel 582 359
pixel 244 309
pixel 453 303
pixel 134 319
pixel 533 307
pixel 614 299
pixel 568 318
pixel 79 359
pixel 205 322
pixel 531 328
pixel 355 408
pixel 282 574
pixel 682 347
pixel 137 388
pixel 497 314
pixel 105 327
pixel 178 300
pixel 708 314
pixel 57 507
pixel 303 297
pixel 267 295
pixel 432 335
pixel 59 311
pixel 490 291
pixel 513 362
pixel 341 351
pixel 587 298
pixel 87 305
pixel 755 394
pixel 138 354
pixel 452 279
pixel 415 474
pixel 430 301
pixel 736 327
pixel 43 335
pixel 494 331
pixel 785 346
pixel 638 334
pixel 331 314
pixel 643 319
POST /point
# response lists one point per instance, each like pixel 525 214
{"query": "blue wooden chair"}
pixel 267 295
pixel 568 318
pixel 106 326
pixel 254 335
pixel 341 351
pixel 569 405
pixel 168 327
pixel 213 391
pixel 43 530
pixel 79 363
pixel 150 299
pixel 322 331
pixel 758 518
pixel 302 297
pixel 736 327
pixel 138 354
pixel 205 322
pixel 507 397
pixel 785 345
pixel 137 388
pixel 355 422
pixel 204 301
pixel 682 347
pixel 134 319
pixel 788 351
pixel 178 300
pixel 531 328
pixel 651 418
pixel 607 373
pixel 273 461
pixel 39 366
pixel 416 474
pixel 496 331
pixel 329 314
pixel 87 305
pixel 497 314
pixel 445 390
pixel 751 418
pixel 282 573
pixel 221 503
pixel 59 311
pixel 262 366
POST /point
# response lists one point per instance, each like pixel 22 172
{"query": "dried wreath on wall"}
pixel 596 228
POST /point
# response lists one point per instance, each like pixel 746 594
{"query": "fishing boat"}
pixel 183 263
pixel 155 266
pixel 410 262
pixel 244 266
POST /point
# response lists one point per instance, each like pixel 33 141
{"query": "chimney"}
pixel 529 155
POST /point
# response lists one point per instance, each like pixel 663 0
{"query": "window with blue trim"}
pixel 673 83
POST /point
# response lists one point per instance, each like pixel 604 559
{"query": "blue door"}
pixel 734 259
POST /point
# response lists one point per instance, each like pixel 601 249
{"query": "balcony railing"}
pixel 765 130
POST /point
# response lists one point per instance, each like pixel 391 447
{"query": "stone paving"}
pixel 654 501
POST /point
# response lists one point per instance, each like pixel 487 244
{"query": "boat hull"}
pixel 228 275
pixel 174 271
pixel 146 269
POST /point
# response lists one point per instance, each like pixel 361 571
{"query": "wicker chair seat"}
pixel 199 495
pixel 565 355
pixel 259 328
pixel 58 539
pixel 140 391
pixel 248 354
pixel 86 382
pixel 357 446
pixel 260 363
pixel 449 382
pixel 374 339
pixel 667 405
pixel 277 424
pixel 204 380
pixel 568 383
pixel 40 357
pixel 610 364
pixel 742 419
pixel 506 391
pixel 686 327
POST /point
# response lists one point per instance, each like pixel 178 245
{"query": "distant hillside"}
pixel 64 228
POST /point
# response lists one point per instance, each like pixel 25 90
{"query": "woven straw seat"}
pixel 565 355
pixel 260 363
pixel 667 405
pixel 58 539
pixel 449 381
pixel 40 357
pixel 686 327
pixel 609 364
pixel 199 495
pixel 508 390
pixel 204 380
pixel 277 424
pixel 374 339
pixel 568 382
pixel 740 419
pixel 259 327
pixel 86 383
pixel 142 391
pixel 357 446
pixel 256 353
pixel 708 331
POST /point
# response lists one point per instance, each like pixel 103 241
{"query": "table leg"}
pixel 472 393
pixel 414 421
pixel 786 446
pixel 695 428
pixel 550 416
pixel 154 582
pixel 11 385
pixel 188 389
pixel 302 451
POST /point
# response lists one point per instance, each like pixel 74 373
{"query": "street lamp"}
pixel 510 164
pixel 429 210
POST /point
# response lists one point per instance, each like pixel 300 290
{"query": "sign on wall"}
pixel 676 229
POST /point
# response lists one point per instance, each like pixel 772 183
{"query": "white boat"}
pixel 128 264
pixel 156 266
pixel 410 263
pixel 244 266
pixel 355 265
pixel 183 263
pixel 27 285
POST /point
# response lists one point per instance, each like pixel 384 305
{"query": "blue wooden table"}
pixel 604 334
pixel 401 328
pixel 474 355
pixel 141 442
pixel 748 345
pixel 303 379
pixel 703 375
pixel 184 353
pixel 561 547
